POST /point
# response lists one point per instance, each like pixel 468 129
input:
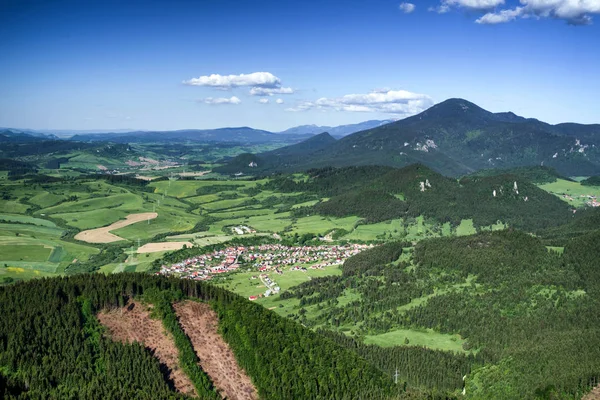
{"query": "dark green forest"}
pixel 51 345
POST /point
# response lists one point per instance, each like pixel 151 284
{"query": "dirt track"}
pixel 103 235
pixel 200 323
pixel 134 324
pixel 154 247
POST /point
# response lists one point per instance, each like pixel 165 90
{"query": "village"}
pixel 264 259
pixel 592 201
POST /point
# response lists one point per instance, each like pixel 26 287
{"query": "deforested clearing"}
pixel 200 323
pixel 593 395
pixel 103 235
pixel 132 323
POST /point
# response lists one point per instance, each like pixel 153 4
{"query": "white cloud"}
pixel 279 101
pixel 263 101
pixel 575 12
pixel 500 17
pixel 255 79
pixel 407 8
pixel 475 4
pixel 259 91
pixel 221 100
pixel 390 102
pixel 441 9
pixel 446 5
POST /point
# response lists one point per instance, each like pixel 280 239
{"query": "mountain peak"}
pixel 455 107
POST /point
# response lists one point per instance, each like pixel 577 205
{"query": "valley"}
pixel 435 280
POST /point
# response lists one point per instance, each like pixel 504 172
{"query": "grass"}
pixel 425 337
pixel 24 219
pixel 46 199
pixel 242 284
pixel 320 225
pixel 573 189
pixel 91 219
pixel 465 228
pixel 556 249
pixel 13 207
pixel 26 253
pixel 182 189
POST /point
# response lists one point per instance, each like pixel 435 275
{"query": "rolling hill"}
pixel 382 193
pixel 457 137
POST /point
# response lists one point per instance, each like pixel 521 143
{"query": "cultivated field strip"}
pixel 103 235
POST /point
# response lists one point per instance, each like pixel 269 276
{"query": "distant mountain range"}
pixel 8 135
pixel 455 137
pixel 336 131
pixel 230 134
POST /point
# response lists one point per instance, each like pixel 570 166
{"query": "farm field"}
pixel 200 212
pixel 573 193
pixel 410 337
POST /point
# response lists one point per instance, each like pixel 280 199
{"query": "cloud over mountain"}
pixel 391 102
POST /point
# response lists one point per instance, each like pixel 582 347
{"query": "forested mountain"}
pixel 456 137
pixel 382 193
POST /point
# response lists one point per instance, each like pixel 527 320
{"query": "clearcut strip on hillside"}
pixel 132 323
pixel 200 323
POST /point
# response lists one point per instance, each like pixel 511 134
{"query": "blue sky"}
pixel 148 65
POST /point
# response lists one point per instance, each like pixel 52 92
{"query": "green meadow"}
pixel 573 193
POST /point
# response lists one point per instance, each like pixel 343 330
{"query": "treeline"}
pixel 534 174
pixel 16 168
pixel 591 181
pixel 48 351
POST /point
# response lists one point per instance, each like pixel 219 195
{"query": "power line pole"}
pixel 396 377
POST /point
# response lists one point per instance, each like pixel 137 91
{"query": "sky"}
pixel 165 65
